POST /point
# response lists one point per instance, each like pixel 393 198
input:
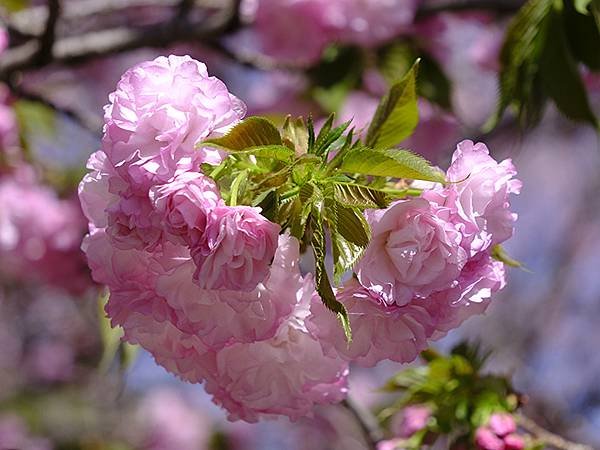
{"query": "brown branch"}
pixel 367 422
pixel 547 437
pixel 78 49
pixel 46 41
pixel 431 7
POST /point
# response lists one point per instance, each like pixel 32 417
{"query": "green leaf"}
pixel 295 132
pixel 278 152
pixel 250 132
pixel 499 254
pixel 14 5
pixel 397 114
pixel 235 187
pixel 358 195
pixel 389 163
pixel 582 6
pixel 560 75
pixel 322 282
pixel 352 225
pixel 519 59
pixel 345 255
pixel 583 34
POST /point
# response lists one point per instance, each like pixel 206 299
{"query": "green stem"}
pixel 290 193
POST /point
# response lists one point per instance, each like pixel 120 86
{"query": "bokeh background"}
pixel 66 383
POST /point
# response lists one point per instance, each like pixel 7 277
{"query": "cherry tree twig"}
pixel 367 422
pixel 547 437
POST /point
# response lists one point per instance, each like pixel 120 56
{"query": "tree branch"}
pixel 431 7
pixel 77 49
pixel 46 41
pixel 367 422
pixel 547 437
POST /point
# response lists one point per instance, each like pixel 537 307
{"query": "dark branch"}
pixel 431 7
pixel 366 421
pixel 78 49
pixel 46 41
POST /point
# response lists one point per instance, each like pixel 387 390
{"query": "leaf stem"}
pixel 290 193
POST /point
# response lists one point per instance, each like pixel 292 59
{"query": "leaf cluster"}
pixel 543 48
pixel 460 395
pixel 318 185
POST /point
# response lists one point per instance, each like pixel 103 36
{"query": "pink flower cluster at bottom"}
pixel 499 434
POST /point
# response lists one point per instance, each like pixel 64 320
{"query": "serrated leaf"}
pixel 519 60
pixel 296 133
pixel 310 127
pixel 397 114
pixel 352 225
pixel 322 282
pixel 250 132
pixel 345 255
pixel 357 195
pixel 560 75
pixel 325 140
pixel 389 163
pixel 278 152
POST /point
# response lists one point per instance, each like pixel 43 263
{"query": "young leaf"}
pixel 250 132
pixel 499 254
pixel 358 195
pixel 322 279
pixel 235 187
pixel 278 152
pixel 345 255
pixel 351 224
pixel 560 75
pixel 397 114
pixel 389 163
pixel 326 140
pixel 519 59
pixel 296 133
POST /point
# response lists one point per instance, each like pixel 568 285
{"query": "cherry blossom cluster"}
pixel 215 292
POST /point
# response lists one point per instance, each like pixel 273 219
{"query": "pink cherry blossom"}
pixel 479 195
pixel 236 250
pixel 486 439
pixel 287 375
pixel 160 110
pixel 9 133
pixel 502 424
pixel 379 331
pixel 184 204
pixel 40 234
pixel 414 250
pixel 391 444
pixel 514 442
pixel 410 420
pixel 14 435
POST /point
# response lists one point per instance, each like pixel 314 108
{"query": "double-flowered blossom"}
pixel 159 112
pixel 236 249
pixel 214 291
pixel 499 434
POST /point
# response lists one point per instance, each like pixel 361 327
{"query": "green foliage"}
pixel 539 61
pixel 14 5
pixel 397 114
pixel 459 395
pixel 499 254
pixel 390 163
pixel 316 185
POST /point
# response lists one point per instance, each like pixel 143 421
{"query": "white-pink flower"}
pixel 414 250
pixel 236 249
pixel 479 196
pixel 160 110
pixel 184 204
pixel 286 375
pixel 379 331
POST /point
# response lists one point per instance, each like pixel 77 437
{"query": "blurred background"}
pixel 67 383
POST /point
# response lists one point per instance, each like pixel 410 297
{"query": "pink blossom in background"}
pixel 14 435
pixel 415 250
pixel 170 422
pixel 479 195
pixel 291 31
pixel 236 249
pixel 9 131
pixel 3 39
pixel 391 444
pixel 359 107
pixel 184 205
pixel 40 234
pixel 410 420
pixel 500 433
pixel 372 22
